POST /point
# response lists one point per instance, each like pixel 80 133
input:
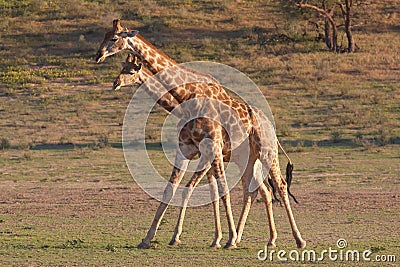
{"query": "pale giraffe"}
pixel 264 149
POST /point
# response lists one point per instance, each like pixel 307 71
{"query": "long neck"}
pixel 154 59
pixel 156 90
pixel 144 75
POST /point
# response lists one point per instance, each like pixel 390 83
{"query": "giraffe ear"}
pixel 132 33
pixel 117 28
pixel 129 58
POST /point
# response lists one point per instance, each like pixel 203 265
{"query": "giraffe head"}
pixel 131 73
pixel 114 41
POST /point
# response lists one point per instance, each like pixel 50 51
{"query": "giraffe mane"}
pixel 141 38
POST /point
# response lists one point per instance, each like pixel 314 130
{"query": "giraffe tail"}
pixel 289 174
pixel 289 177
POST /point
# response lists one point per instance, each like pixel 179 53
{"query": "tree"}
pixel 326 9
pixel 347 14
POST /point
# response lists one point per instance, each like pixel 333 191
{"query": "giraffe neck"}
pixel 156 90
pixel 144 75
pixel 154 59
pixel 156 62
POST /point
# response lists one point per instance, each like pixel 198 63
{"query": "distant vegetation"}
pixel 53 92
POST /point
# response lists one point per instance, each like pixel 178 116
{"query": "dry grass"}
pixel 337 114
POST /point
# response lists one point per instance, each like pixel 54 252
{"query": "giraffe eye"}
pixel 114 39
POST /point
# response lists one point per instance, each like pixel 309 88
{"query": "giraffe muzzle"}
pixel 117 85
pixel 100 58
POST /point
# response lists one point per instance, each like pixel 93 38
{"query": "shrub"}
pixel 336 136
pixel 102 141
pixel 5 144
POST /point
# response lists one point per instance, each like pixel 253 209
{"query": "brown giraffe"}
pixel 191 138
pixel 263 142
pixel 134 73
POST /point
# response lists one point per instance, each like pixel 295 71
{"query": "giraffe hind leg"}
pixel 289 177
pixel 273 189
pixel 281 184
pixel 248 197
pixel 266 194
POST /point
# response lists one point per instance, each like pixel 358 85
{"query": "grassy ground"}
pixel 66 195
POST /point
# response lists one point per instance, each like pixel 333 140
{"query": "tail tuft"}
pixel 289 177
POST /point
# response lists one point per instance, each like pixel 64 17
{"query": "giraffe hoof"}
pixel 215 245
pixel 301 243
pixel 143 245
pixel 174 242
pixel 271 245
pixel 230 246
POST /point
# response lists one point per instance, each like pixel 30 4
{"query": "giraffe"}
pixel 134 73
pixel 262 149
pixel 194 135
pixel 101 54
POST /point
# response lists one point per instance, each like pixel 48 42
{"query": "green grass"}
pixel 66 195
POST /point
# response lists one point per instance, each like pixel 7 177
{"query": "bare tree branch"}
pixel 330 25
pixel 342 8
pixel 323 12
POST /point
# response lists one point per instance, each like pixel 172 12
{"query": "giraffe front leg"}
pixel 202 168
pixel 215 202
pixel 145 244
pixel 177 174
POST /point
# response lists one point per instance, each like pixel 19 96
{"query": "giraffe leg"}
pixel 281 185
pixel 177 174
pixel 248 198
pixel 219 173
pixel 215 202
pixel 203 167
pixel 266 193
